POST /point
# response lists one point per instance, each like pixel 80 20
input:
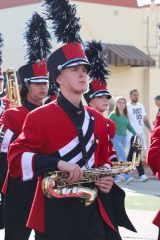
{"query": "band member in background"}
pixel 98 97
pixel 153 160
pixel 34 84
pixel 64 135
pixel 4 104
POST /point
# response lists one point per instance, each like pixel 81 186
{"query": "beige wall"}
pixel 12 25
pixel 107 23
pixel 125 78
pixel 111 24
pixel 153 90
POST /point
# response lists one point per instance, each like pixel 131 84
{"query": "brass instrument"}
pixel 55 184
pixel 13 87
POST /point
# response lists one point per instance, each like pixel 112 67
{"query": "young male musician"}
pixel 64 135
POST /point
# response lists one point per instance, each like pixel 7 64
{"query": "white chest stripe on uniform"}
pixel 6 140
pixel 74 142
pixel 78 157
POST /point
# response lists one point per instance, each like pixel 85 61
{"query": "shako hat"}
pixel 66 29
pixel 1 45
pixel 37 49
pixel 98 73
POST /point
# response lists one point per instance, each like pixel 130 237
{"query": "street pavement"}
pixel 142 220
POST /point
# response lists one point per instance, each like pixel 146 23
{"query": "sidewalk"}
pixel 142 220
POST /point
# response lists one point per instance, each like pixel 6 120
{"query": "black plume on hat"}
pixel 37 49
pixel 66 25
pixel 98 61
pixel 98 73
pixel 66 29
pixel 37 39
pixel 1 45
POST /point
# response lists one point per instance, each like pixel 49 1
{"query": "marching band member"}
pixel 34 84
pixel 4 104
pixel 98 97
pixel 64 135
pixel 153 160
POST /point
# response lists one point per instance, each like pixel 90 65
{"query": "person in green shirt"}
pixel 119 116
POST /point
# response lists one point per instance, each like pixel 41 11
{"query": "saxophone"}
pixel 55 185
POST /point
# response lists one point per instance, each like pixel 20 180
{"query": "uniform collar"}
pixel 29 105
pixel 68 106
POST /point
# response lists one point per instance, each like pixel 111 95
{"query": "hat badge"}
pixel 59 67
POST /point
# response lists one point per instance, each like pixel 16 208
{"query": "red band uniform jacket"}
pixel 18 195
pixel 153 158
pixel 49 135
pixel 4 104
pixel 111 133
pixel 12 120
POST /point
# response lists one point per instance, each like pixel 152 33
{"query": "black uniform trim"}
pixel 81 163
pixel 29 105
pixel 75 151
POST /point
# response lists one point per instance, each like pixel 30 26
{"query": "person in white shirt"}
pixel 138 118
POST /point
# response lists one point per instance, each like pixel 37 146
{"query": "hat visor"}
pixel 79 63
pixel 39 81
pixel 100 94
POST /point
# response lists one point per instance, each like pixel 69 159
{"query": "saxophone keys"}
pixel 75 189
pixel 66 191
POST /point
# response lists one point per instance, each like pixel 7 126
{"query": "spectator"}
pixel 138 117
pixel 120 117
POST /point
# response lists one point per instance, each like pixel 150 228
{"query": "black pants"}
pixel 140 167
pixel 110 234
pixel 159 235
pixel 18 202
pixel 2 212
pixel 69 219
